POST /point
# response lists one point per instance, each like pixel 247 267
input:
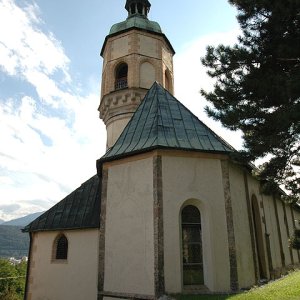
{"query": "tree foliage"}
pixel 257 87
pixel 12 280
pixel 295 239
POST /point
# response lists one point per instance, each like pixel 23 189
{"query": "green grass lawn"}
pixel 287 288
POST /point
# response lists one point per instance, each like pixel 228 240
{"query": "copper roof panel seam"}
pixel 217 145
pixel 71 208
pixel 44 221
pixel 182 122
pixel 50 218
pixel 85 197
pixel 68 208
pixel 94 195
pixel 64 209
pixel 194 139
pixel 142 107
pixel 148 137
pixel 170 114
pixel 163 133
pixel 146 119
pixel 79 199
pixel 37 222
pixel 195 121
pixel 194 131
pixel 68 204
pixel 209 130
pixel 142 143
pixel 125 132
pixel 96 210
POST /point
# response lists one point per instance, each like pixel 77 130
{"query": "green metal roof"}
pixel 161 121
pixel 136 21
pixel 79 210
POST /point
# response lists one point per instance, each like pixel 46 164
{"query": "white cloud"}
pixel 6 180
pixel 191 77
pixel 47 172
pixel 29 53
pixel 47 148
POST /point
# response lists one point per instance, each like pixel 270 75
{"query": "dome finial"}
pixel 138 7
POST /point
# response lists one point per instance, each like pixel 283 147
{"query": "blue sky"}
pixel 50 75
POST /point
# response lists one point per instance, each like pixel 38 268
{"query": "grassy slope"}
pixel 287 288
pixel 284 288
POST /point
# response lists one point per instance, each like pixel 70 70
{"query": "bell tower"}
pixel 135 54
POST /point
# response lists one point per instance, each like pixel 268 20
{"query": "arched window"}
pixel 121 76
pixel 61 251
pixel 192 260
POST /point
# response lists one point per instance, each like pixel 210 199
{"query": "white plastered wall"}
pixel 129 231
pixel 149 46
pixel 75 278
pixel 120 47
pixel 147 75
pixel 114 129
pixel 195 181
pixel 270 217
pixel 246 271
pixel 254 191
pixel 284 235
pixel 291 231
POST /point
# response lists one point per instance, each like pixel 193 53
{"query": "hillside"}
pixel 13 243
pixel 23 221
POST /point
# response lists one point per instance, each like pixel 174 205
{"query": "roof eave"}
pixel 140 29
pixel 103 160
pixel 24 230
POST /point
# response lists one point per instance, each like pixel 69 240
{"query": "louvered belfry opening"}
pixel 121 81
pixel 140 7
pixel 192 259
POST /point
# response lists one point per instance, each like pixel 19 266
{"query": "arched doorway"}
pixel 192 256
pixel 259 239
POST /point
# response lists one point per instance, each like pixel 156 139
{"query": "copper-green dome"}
pixel 136 22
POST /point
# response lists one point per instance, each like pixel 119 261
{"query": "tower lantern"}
pixel 140 7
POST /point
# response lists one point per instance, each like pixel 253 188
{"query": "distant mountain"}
pixel 22 221
pixel 13 243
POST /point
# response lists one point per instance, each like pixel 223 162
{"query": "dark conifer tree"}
pixel 257 87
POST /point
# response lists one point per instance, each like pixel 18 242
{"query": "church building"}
pixel 169 211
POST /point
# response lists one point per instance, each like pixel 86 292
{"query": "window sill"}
pixel 59 261
pixel 190 289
